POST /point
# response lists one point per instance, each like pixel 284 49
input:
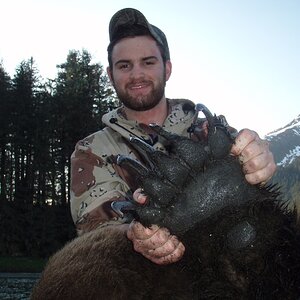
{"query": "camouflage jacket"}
pixel 96 182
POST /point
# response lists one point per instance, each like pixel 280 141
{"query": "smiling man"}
pixel 139 76
pixel 139 67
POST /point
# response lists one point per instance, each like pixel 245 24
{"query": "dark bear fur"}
pixel 241 242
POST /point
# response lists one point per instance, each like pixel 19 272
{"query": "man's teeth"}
pixel 138 86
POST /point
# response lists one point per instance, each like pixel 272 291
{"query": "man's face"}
pixel 138 73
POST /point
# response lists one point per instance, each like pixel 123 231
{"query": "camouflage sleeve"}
pixel 94 186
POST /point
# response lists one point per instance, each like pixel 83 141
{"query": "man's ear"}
pixel 109 73
pixel 168 69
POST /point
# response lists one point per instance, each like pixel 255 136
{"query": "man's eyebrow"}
pixel 126 61
pixel 150 57
pixel 122 61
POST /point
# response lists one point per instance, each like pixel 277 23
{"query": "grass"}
pixel 21 264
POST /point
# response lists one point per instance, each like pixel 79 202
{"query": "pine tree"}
pixel 5 133
pixel 82 95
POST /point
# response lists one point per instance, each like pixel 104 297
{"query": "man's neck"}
pixel 155 115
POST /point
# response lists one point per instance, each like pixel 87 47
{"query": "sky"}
pixel 241 58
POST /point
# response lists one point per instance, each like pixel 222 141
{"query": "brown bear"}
pixel 241 240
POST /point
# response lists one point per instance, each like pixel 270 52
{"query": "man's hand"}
pixel 254 154
pixel 156 244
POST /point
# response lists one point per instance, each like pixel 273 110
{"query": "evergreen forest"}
pixel 41 121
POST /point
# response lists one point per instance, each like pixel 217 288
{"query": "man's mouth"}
pixel 138 86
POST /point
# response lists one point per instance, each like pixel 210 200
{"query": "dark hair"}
pixel 132 31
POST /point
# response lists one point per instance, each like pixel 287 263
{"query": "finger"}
pixel 139 196
pixel 205 128
pixel 261 176
pixel 244 137
pixel 254 149
pixel 258 162
pixel 138 231
pixel 167 248
pixel 155 241
pixel 171 258
pixel 144 238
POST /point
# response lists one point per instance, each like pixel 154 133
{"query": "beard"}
pixel 142 102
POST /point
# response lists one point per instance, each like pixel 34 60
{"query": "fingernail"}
pixel 142 198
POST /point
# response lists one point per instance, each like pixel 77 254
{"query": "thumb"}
pixel 139 197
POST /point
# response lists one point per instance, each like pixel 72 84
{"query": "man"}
pixel 139 66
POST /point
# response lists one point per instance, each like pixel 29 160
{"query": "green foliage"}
pixel 34 230
pixel 22 264
pixel 40 125
pixel 82 96
pixel 5 124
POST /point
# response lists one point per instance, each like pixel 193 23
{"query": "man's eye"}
pixel 150 62
pixel 123 66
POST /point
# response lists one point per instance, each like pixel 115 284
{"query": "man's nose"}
pixel 137 72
